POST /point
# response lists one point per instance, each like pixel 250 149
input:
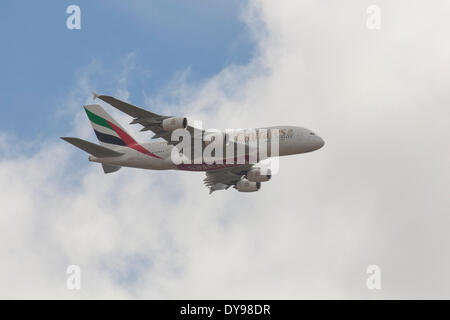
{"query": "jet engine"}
pixel 171 124
pixel 259 175
pixel 247 186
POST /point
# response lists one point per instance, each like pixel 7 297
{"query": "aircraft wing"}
pixel 149 120
pixel 225 178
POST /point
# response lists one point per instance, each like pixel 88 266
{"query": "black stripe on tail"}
pixel 107 138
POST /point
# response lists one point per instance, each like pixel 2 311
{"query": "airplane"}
pixel 119 149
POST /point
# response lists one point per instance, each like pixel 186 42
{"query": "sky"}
pixel 375 194
pixel 157 39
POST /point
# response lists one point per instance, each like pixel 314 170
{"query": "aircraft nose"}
pixel 319 143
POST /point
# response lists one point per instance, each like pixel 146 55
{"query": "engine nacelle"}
pixel 259 175
pixel 171 124
pixel 247 186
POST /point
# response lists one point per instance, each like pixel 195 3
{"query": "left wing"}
pixel 224 178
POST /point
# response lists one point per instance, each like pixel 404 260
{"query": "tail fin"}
pixel 109 133
pixel 92 148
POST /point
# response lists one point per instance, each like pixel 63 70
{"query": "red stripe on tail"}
pixel 131 143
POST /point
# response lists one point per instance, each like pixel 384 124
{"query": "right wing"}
pixel 149 120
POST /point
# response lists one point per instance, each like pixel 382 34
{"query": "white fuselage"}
pixel 292 140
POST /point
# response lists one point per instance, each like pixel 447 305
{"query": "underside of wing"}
pixel 225 178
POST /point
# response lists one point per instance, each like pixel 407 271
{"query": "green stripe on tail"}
pixel 97 119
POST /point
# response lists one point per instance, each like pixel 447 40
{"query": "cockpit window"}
pixel 312 133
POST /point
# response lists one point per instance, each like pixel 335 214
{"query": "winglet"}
pixel 218 186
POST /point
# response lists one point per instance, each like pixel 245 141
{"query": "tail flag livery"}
pixel 107 130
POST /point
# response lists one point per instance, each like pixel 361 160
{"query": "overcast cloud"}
pixel 377 193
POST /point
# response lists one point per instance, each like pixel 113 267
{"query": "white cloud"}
pixel 377 193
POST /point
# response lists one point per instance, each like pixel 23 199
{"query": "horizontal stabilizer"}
pixel 108 168
pixel 92 148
